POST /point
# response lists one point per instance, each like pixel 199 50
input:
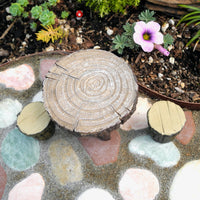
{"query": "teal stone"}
pixel 19 151
pixel 164 155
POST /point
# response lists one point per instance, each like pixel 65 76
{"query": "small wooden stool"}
pixel 166 120
pixel 35 121
pixel 90 92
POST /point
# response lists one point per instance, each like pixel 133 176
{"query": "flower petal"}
pixel 138 38
pixel 140 27
pixel 157 38
pixel 153 27
pixel 147 46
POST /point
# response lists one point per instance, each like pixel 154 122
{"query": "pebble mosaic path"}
pixel 130 166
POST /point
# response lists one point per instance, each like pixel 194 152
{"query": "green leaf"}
pixel 168 40
pixel 47 18
pixel 147 16
pixel 64 14
pixel 129 29
pixel 23 3
pixel 119 43
pixel 36 11
pixel 16 9
pixel 33 26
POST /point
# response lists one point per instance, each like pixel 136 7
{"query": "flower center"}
pixel 146 36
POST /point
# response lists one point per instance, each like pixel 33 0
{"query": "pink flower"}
pixel 147 34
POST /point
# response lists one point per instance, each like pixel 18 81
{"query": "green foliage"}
pixel 104 7
pixel 53 2
pixel 64 14
pixel 36 11
pixel 33 26
pixel 23 3
pixel 192 17
pixel 125 40
pixel 50 33
pixel 168 40
pixel 16 9
pixel 47 18
pixel 147 16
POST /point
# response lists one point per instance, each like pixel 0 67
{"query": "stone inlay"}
pixel 164 155
pixel 139 118
pixel 20 78
pixel 31 188
pixel 65 162
pixel 20 152
pixel 38 97
pixel 187 133
pixel 95 193
pixel 102 152
pixel 186 184
pixel 45 65
pixel 3 181
pixel 138 184
pixel 9 109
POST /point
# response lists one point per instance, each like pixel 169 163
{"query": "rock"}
pixel 20 152
pixel 164 27
pixel 95 193
pixel 138 184
pixel 31 188
pixel 150 61
pixel 171 22
pixel 109 31
pixel 188 131
pixel 139 118
pixel 102 152
pixel 79 40
pixel 65 163
pixel 172 60
pixel 9 110
pixel 170 47
pixel 97 47
pixel 3 181
pixel 20 78
pixel 4 53
pixel 49 48
pixel 45 66
pixel 38 97
pixel 164 155
pixel 179 90
pixel 186 183
pixel 160 75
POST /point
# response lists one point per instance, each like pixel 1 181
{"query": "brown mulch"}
pixel 176 76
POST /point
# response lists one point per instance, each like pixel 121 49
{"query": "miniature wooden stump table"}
pixel 90 92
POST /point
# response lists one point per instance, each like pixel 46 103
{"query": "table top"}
pixel 90 91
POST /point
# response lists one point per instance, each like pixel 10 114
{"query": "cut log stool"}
pixel 35 121
pixel 90 92
pixel 166 120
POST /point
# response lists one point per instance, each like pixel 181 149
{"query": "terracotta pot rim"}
pixel 142 88
pixel 153 93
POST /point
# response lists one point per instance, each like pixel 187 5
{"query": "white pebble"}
pixel 8 9
pixel 172 60
pixel 170 47
pixel 164 27
pixel 79 40
pixel 109 31
pixel 50 48
pixel 171 21
pixel 150 60
pixel 9 17
pixel 96 47
pixel 179 90
pixel 160 75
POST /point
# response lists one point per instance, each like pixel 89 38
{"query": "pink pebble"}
pixel 45 66
pixel 138 184
pixel 30 188
pixel 19 78
pixel 139 118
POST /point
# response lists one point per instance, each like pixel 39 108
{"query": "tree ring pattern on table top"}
pixel 90 91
